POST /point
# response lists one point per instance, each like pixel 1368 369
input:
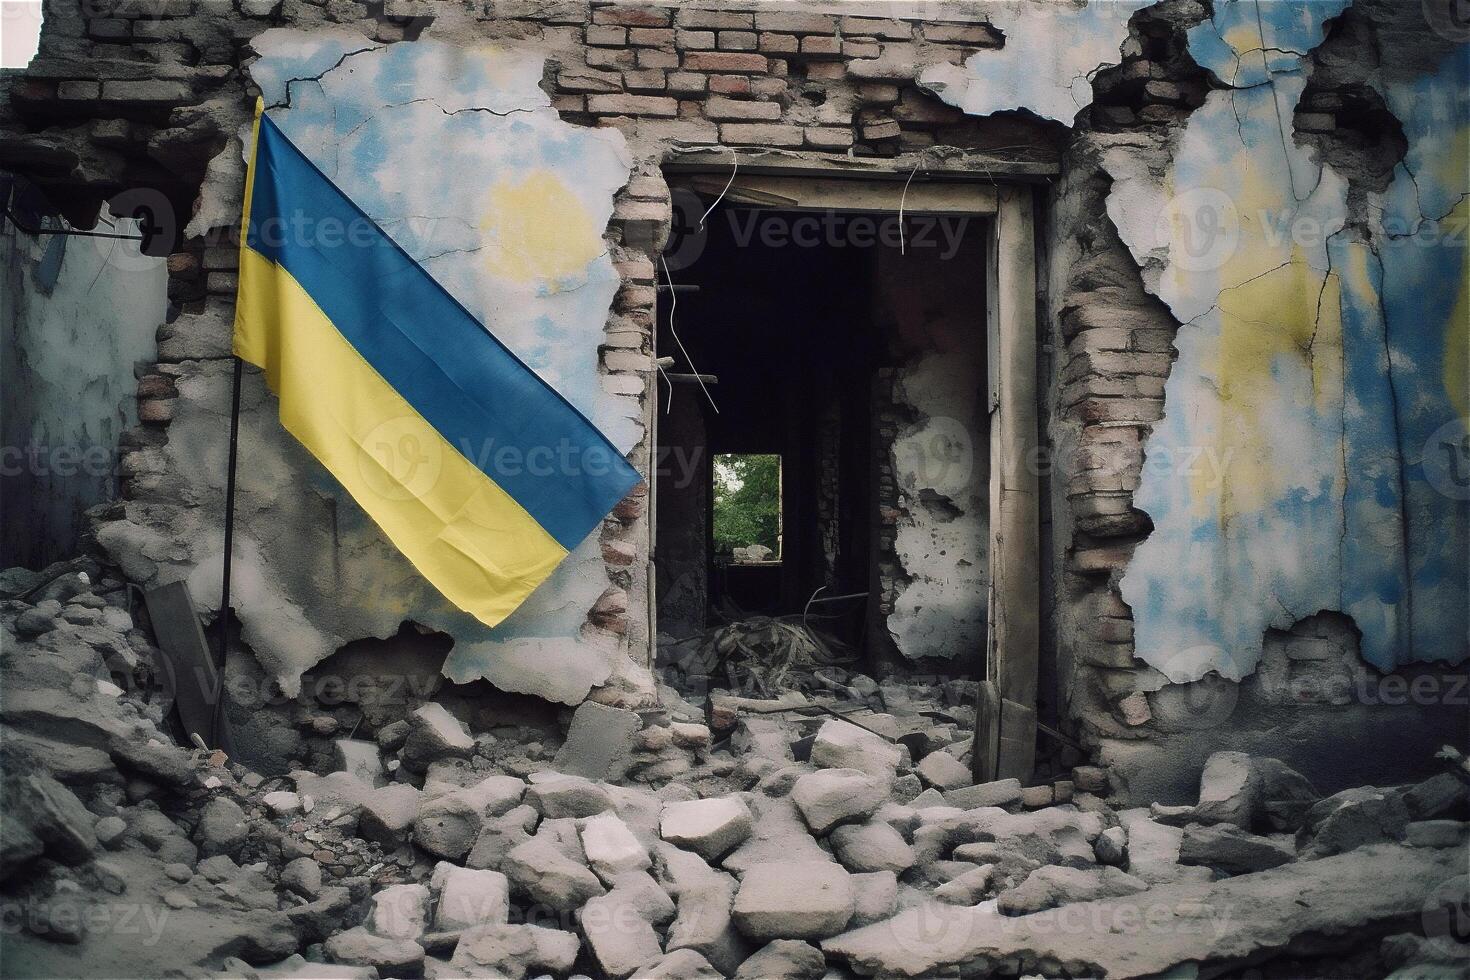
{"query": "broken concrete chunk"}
pixel 1435 796
pixel 793 900
pixel 621 940
pixel 1001 792
pixel 388 814
pixel 1436 833
pixel 53 814
pixel 390 957
pixel 302 876
pixel 399 912
pixel 469 898
pixel 599 743
pixel 1111 847
pixel 1350 819
pixel 514 951
pixel 829 797
pixel 359 759
pixel 434 734
pixel 1054 885
pixel 786 958
pixel 711 828
pixel 875 897
pixel 540 869
pixel 498 835
pixel 871 846
pixel 221 828
pixel 967 888
pixel 558 795
pixel 640 890
pixel 843 745
pixel 705 897
pixel 446 826
pixel 282 803
pixel 1283 796
pixel 681 964
pixel 1225 847
pixel 1226 790
pixel 611 848
pixel 943 771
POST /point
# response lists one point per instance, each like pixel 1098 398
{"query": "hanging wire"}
pixel 673 306
pixel 902 198
pixel 734 169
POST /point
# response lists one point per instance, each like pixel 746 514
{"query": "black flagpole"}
pixel 224 599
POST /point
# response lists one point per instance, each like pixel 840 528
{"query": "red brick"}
pixel 651 37
pixel 979 34
pixel 714 19
pixel 767 86
pixel 897 30
pixel 737 40
pixel 760 134
pixel 633 105
pixel 795 23
pixel 657 58
pixel 687 83
pixel 632 16
pixel 830 71
pixel 611 58
pixel 780 43
pixel 649 80
pixel 828 137
pixel 861 49
pixel 729 84
pixel 696 40
pixel 602 35
pixel 819 44
pixel 589 80
pixel 729 61
pixel 720 108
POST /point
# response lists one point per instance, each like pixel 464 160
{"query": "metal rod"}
pixel 224 597
pixel 69 232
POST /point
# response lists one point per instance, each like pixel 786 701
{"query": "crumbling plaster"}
pixel 78 316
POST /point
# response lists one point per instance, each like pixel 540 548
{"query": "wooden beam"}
pixel 1015 569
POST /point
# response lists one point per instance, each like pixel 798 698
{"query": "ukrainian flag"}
pixel 475 468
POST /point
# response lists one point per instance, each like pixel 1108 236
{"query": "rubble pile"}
pixel 754 838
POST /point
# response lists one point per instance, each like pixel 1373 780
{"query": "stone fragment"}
pixel 1111 847
pixel 690 736
pixel 871 846
pixel 943 771
pixel 221 828
pixel 611 848
pixel 1435 833
pixel 1225 847
pixel 1350 819
pixel 843 745
pixel 282 803
pixel 640 890
pixel 681 964
pixel 621 940
pixel 110 831
pixel 796 900
pixel 1091 779
pixel 399 912
pixel 875 897
pixel 786 958
pixel 302 876
pixel 1001 792
pixel 1054 885
pixel 514 951
pixel 599 742
pixel 1435 796
pixel 498 835
pixel 358 758
pixel 829 797
pixel 711 827
pixel 40 809
pixel 540 869
pixel 388 815
pixel 446 826
pixel 390 957
pixel 469 898
pixel 705 897
pixel 559 795
pixel 434 734
pixel 1036 797
pixel 967 888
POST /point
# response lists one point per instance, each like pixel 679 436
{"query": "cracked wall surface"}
pixel 1317 362
pixel 512 226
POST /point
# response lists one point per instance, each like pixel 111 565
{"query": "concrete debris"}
pixel 829 797
pixel 711 828
pixel 794 900
pixel 419 852
pixel 599 743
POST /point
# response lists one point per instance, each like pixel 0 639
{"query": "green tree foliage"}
pixel 747 502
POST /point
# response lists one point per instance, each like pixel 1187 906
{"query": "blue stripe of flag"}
pixel 466 383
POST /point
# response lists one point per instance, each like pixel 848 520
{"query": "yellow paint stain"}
pixel 1245 40
pixel 539 229
pixel 1279 325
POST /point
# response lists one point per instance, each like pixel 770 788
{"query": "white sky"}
pixel 20 31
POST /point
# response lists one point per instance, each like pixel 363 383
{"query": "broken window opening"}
pixel 746 494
